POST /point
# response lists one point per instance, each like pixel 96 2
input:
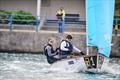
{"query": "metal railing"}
pixel 37 22
pixel 117 21
pixel 12 19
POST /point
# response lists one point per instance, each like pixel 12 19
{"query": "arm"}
pixel 62 46
pixel 63 16
pixel 76 49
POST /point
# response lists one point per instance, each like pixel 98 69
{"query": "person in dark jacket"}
pixel 66 47
pixel 50 52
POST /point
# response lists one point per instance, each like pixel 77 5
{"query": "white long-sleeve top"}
pixel 76 49
pixel 63 45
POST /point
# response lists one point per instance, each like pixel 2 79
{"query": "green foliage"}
pixel 18 15
pixel 3 17
pixel 4 12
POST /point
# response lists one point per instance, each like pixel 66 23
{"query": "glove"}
pixel 57 50
pixel 82 53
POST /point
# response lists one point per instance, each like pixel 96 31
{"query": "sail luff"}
pixel 92 23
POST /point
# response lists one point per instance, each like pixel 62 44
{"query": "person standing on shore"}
pixel 61 18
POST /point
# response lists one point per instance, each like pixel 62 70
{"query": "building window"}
pixel 45 3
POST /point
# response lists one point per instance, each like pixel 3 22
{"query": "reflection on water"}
pixel 34 67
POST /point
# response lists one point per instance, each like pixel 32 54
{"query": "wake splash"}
pixel 35 67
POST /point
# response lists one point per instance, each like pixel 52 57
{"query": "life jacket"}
pixel 50 59
pixel 69 46
pixel 45 50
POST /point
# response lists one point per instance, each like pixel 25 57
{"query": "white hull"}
pixel 76 65
pixel 70 65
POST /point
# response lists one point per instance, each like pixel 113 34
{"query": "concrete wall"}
pixel 116 46
pixel 33 42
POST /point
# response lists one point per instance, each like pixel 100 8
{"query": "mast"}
pixel 87 49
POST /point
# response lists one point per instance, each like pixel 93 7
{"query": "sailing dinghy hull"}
pixel 89 63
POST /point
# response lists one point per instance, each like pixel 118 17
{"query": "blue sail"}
pixel 100 15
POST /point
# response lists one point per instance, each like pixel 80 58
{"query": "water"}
pixel 35 67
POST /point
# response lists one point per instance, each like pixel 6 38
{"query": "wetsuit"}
pixel 50 53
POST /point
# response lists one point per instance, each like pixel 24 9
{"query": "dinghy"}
pixel 99 16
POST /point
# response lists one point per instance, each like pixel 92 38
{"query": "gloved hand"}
pixel 57 50
pixel 82 53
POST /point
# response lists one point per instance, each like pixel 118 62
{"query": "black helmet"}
pixel 69 37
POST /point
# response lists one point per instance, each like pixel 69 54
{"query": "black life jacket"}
pixel 45 50
pixel 50 59
pixel 69 46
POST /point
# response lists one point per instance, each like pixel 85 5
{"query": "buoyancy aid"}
pixel 69 46
pixel 50 59
pixel 45 50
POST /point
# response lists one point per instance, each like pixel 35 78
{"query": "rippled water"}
pixel 34 67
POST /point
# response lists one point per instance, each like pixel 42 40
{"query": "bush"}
pixel 18 15
pixel 23 15
pixel 4 16
pixel 4 12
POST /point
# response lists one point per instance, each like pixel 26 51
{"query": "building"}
pixel 117 7
pixel 45 7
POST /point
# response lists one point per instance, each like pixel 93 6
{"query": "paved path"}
pixel 43 31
